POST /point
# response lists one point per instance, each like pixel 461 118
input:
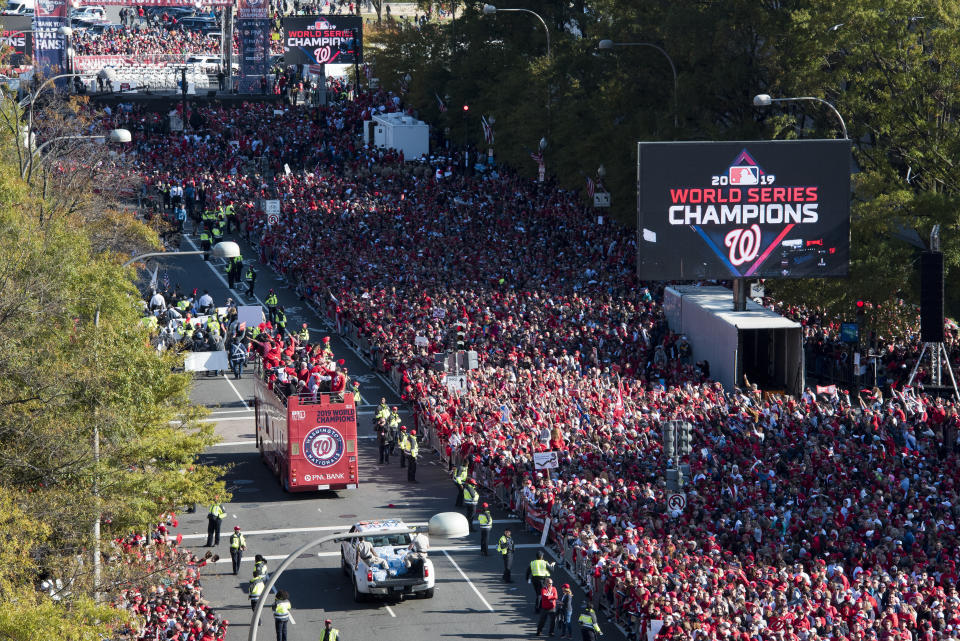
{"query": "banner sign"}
pixel 49 45
pixel 316 40
pixel 88 64
pixel 253 27
pixel 18 37
pixel 328 436
pixel 771 209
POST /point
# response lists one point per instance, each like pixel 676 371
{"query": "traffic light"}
pixel 686 438
pixel 669 439
pixel 461 336
pixel 861 311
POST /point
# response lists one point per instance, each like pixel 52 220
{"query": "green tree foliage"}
pixel 76 362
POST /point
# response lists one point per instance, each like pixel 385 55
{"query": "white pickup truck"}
pixel 393 570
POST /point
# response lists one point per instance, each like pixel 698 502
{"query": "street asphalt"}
pixel 471 601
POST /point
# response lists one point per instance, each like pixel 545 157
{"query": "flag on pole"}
pixel 537 157
pixel 440 103
pixel 487 130
pixel 591 187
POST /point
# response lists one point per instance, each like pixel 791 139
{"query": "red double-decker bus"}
pixel 308 440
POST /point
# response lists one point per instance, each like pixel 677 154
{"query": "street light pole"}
pixel 610 44
pixel 489 10
pixel 764 100
pixel 226 249
pixel 447 525
pixel 115 135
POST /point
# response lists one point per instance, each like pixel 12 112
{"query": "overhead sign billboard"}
pixel 317 40
pixel 718 210
pixel 17 34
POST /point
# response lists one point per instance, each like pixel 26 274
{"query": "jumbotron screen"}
pixel 719 210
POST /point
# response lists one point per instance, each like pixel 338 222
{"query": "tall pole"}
pixel 258 610
pixel 96 493
pixel 183 89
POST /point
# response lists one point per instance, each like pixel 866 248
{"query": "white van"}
pixel 19 8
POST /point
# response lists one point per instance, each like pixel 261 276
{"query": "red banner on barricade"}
pixel 165 3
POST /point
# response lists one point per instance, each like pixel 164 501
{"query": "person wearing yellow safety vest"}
pixel 330 633
pixel 271 306
pixel 257 584
pixel 251 278
pixel 486 524
pixel 238 543
pixel 214 519
pixel 537 573
pixel 589 624
pixel 402 440
pixel 471 496
pixel 304 334
pixel 505 548
pixel 281 614
pixel 216 234
pixel 383 411
pixel 205 241
pixel 413 450
pixel 463 471
pixel 355 390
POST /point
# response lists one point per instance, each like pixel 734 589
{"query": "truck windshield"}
pixel 393 540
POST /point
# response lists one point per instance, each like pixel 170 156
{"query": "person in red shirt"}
pixel 548 606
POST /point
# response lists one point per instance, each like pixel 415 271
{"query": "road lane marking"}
pixel 229 443
pixel 230 383
pixel 219 412
pixel 226 418
pixel 390 611
pixel 330 528
pixel 467 579
pixel 463 548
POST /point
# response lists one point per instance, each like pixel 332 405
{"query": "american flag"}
pixel 591 187
pixel 487 130
pixel 403 85
pixel 442 106
pixel 537 157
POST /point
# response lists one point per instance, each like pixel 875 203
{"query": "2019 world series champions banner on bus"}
pixel 770 209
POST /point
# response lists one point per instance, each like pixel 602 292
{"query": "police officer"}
pixel 281 321
pixel 537 573
pixel 281 614
pixel 471 496
pixel 304 334
pixel 330 633
pixel 271 305
pixel 413 450
pixel 214 519
pixel 238 543
pixel 505 548
pixel 251 278
pixel 463 471
pixel 385 443
pixel 403 444
pixel 589 625
pixel 257 583
pixel 383 411
pixel 486 524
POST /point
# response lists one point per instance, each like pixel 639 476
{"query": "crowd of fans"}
pixel 820 517
pixel 143 41
pixel 173 607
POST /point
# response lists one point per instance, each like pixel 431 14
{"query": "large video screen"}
pixel 317 40
pixel 719 210
pixel 18 36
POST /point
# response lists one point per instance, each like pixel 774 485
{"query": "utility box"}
pixel 398 131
